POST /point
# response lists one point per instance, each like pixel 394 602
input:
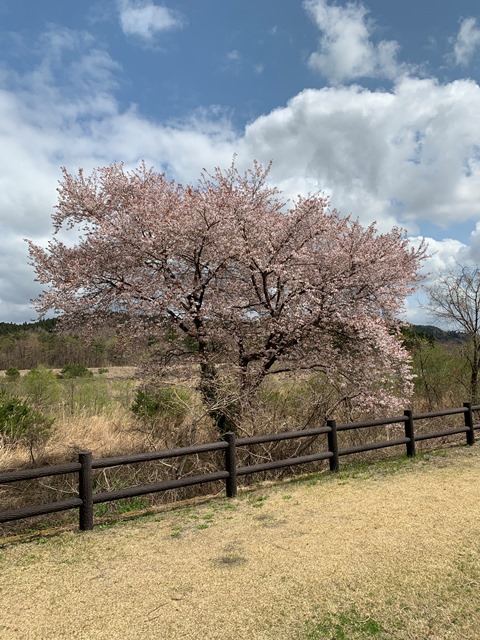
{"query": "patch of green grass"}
pixel 120 506
pixel 193 518
pixel 369 469
pixel 117 522
pixel 469 569
pixel 346 625
pixel 132 504
pixel 208 517
pixel 101 510
pixel 257 501
pixel 224 505
pixel 364 469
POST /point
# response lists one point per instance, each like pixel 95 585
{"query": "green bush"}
pixel 88 396
pixel 12 373
pixel 163 402
pixel 41 386
pixel 75 371
pixel 22 425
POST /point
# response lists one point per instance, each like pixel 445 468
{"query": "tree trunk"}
pixel 212 396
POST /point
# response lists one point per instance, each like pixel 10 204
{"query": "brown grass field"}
pixel 389 550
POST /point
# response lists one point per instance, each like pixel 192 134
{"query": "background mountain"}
pixel 438 334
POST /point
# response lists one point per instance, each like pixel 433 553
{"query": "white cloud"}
pixel 466 42
pixel 16 286
pixel 472 253
pixel 64 112
pixel 346 51
pixel 234 56
pixel 403 156
pixel 443 255
pixel 46 117
pixel 406 155
pixel 232 62
pixel 144 19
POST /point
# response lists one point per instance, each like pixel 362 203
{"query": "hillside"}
pixel 8 328
pixel 438 334
pixel 26 345
pixel 48 325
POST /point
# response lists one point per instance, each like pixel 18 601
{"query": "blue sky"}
pixel 377 104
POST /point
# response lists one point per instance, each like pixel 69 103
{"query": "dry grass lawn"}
pixel 385 551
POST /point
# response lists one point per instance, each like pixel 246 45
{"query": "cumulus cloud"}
pixel 406 155
pixel 346 51
pixel 442 255
pixel 16 280
pixel 63 112
pixel 144 19
pixel 471 256
pixel 46 115
pixel 466 42
pixel 403 156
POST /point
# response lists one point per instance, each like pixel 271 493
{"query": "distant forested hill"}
pixel 49 325
pixel 11 327
pixel 29 344
pixel 439 334
pixel 26 345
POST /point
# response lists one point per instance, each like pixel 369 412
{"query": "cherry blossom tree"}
pixel 260 286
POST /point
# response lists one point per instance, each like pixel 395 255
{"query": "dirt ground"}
pixel 386 551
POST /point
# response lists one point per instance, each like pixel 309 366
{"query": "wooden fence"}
pixel 85 465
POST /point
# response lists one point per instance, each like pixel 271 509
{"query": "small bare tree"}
pixel 454 299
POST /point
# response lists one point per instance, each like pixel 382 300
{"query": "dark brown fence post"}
pixel 410 433
pixel 231 464
pixel 469 422
pixel 85 490
pixel 333 445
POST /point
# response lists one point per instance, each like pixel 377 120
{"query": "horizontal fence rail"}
pixel 86 464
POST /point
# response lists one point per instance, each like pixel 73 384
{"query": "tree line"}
pixel 27 345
